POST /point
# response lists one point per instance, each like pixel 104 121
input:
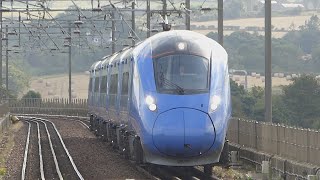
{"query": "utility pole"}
pixel 113 34
pixel 220 22
pixel 133 15
pixel 188 19
pixel 19 30
pixel 268 61
pixel 70 97
pixel 1 46
pixel 7 65
pixel 148 19
pixel 164 9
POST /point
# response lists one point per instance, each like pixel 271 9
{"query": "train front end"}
pixel 181 96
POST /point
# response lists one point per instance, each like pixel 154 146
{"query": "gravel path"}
pixel 94 159
pixel 15 158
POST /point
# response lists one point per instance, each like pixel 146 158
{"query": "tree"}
pixel 308 35
pixel 233 9
pixel 316 57
pixel 6 94
pixel 302 98
pixel 32 95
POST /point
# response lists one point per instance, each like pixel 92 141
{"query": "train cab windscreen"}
pixel 182 74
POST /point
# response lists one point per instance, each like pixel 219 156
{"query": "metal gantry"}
pixel 39 28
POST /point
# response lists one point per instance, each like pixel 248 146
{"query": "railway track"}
pixel 46 156
pixel 151 171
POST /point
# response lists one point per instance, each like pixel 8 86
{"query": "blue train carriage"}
pixel 167 100
pixel 93 87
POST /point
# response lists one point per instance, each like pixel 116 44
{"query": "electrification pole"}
pixel 220 22
pixel 19 29
pixel 268 60
pixel 148 19
pixel 133 15
pixel 7 65
pixel 113 34
pixel 1 46
pixel 188 19
pixel 164 9
pixel 70 97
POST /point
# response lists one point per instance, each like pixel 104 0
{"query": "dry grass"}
pixel 274 34
pixel 254 81
pixel 278 22
pixel 57 86
pixel 228 173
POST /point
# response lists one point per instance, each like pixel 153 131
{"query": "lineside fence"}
pixel 4 117
pixel 294 143
pixel 76 107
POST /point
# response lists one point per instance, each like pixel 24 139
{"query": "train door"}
pixel 103 85
pixel 90 90
pixel 119 69
pixel 96 91
pixel 96 84
pixel 130 67
pixel 113 89
pixel 124 91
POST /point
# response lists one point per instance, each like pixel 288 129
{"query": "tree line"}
pixel 298 105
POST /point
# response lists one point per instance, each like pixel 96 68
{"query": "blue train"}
pixel 165 101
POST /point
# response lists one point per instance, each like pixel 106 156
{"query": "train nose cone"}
pixel 183 132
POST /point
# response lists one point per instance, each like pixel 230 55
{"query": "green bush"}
pixel 32 95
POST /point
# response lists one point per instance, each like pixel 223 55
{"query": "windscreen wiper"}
pixel 176 87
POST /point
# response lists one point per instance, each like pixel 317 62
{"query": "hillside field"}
pixel 57 86
pixel 277 22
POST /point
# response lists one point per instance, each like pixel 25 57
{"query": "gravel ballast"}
pixel 94 158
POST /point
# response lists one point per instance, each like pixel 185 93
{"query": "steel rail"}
pixel 84 124
pixel 53 152
pixel 65 148
pixel 51 116
pixel 150 171
pixel 40 150
pixel 25 158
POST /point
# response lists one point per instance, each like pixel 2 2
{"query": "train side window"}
pixel 125 80
pixel 114 84
pixel 96 84
pixel 113 89
pixel 103 87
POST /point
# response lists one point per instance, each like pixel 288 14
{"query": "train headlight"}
pixel 181 46
pixel 215 102
pixel 151 104
pixel 149 100
pixel 152 107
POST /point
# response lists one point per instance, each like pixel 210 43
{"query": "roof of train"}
pixel 161 41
